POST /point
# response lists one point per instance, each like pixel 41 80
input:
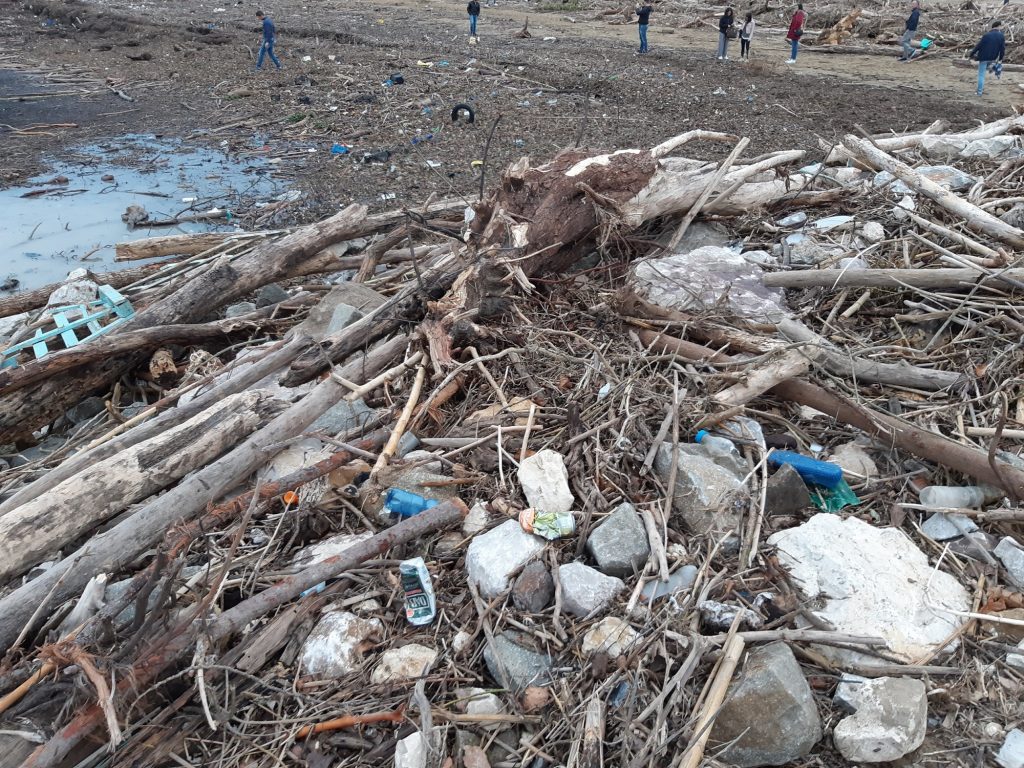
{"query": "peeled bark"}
pixel 53 519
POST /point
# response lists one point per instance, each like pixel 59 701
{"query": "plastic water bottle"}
pixel 715 445
pixel 958 496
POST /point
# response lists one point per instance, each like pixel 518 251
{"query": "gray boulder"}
pixel 239 309
pixel 707 496
pixel 619 544
pixel 586 590
pixel 271 294
pixel 889 720
pixel 786 493
pixel 513 665
pixel 769 716
pixel 494 556
pixel 343 417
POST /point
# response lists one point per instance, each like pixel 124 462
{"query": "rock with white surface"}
pixel 612 636
pixel 889 720
pixel 872 581
pixel 337 643
pixel 1011 753
pixel 406 663
pixel 494 556
pixel 545 482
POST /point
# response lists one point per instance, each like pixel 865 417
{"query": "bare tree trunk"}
pixel 111 549
pixel 224 281
pixel 51 520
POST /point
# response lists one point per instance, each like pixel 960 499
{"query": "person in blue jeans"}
pixel 473 9
pixel 989 53
pixel 908 31
pixel 643 20
pixel 267 48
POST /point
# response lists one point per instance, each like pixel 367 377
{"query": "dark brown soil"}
pixel 196 81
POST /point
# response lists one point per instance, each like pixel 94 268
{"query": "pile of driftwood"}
pixel 508 324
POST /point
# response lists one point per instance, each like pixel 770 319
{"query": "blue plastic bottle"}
pixel 405 504
pixel 811 470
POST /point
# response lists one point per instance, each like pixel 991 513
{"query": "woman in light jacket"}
pixel 746 33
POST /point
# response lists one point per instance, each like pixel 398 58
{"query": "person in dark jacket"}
pixel 725 26
pixel 473 9
pixel 643 20
pixel 908 31
pixel 989 53
pixel 269 36
pixel 796 31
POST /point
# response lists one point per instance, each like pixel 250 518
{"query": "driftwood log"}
pixel 53 519
pixel 940 278
pixel 171 245
pixel 224 281
pixel 275 358
pixel 111 549
pixel 885 427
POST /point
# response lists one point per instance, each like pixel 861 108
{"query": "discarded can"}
pixel 550 525
pixel 420 603
pixel 339 149
pixel 405 504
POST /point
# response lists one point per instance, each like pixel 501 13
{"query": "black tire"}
pixel 460 108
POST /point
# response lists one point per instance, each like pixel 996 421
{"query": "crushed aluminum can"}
pixel 550 525
pixel 420 603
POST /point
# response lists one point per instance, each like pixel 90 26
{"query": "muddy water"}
pixel 77 222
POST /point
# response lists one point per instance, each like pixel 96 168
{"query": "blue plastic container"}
pixel 811 470
pixel 405 504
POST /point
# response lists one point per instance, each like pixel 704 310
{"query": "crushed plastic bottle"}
pixel 941 497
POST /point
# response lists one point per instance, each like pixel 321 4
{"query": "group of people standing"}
pixel 988 52
pixel 729 30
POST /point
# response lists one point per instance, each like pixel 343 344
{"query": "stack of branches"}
pixel 522 330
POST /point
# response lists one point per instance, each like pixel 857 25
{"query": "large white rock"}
pixel 494 556
pixel 545 482
pixel 405 663
pixel 872 581
pixel 77 289
pixel 705 277
pixel 889 720
pixel 336 645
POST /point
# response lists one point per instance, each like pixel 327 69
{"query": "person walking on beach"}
pixel 473 9
pixel 746 33
pixel 909 30
pixel 796 31
pixel 989 54
pixel 643 20
pixel 726 27
pixel 269 35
